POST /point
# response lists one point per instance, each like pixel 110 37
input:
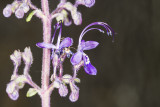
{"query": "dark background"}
pixel 128 69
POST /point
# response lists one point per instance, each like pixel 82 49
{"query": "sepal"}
pixel 31 92
pixel 67 78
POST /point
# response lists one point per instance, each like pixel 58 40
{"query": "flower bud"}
pixel 77 17
pixel 74 96
pixel 7 11
pixel 19 13
pixel 89 3
pixel 63 90
pixel 14 95
pixel 27 56
pixel 16 57
pixel 75 92
pixel 25 7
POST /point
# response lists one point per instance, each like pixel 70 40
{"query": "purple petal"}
pixel 67 42
pixel 89 45
pixel 88 67
pixel 63 90
pixel 76 58
pixel 45 45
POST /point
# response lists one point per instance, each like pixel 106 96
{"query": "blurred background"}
pixel 128 69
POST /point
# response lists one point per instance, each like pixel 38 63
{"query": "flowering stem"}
pixel 45 95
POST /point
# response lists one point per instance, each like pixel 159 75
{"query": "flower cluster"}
pixel 62 50
pixel 66 7
pixel 18 81
pixel 19 7
pixel 65 11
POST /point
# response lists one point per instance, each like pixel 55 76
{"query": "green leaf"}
pixel 31 92
pixel 30 16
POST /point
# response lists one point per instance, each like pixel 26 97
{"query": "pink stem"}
pixel 45 95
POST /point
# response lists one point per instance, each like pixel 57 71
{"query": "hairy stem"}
pixel 45 95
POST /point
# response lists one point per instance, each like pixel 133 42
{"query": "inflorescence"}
pixel 60 51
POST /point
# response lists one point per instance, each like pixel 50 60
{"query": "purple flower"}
pixel 66 42
pixel 80 55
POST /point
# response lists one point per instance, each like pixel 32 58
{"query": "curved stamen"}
pixel 105 25
pixel 59 35
pixel 56 28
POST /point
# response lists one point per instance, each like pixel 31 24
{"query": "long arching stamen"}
pixel 54 33
pixel 105 25
pixel 59 35
pixel 93 29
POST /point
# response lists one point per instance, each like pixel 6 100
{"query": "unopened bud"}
pixel 7 11
pixel 25 7
pixel 19 13
pixel 77 17
pixel 16 57
pixel 63 90
pixel 27 56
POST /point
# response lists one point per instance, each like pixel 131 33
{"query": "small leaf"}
pixel 30 16
pixel 77 80
pixel 31 92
